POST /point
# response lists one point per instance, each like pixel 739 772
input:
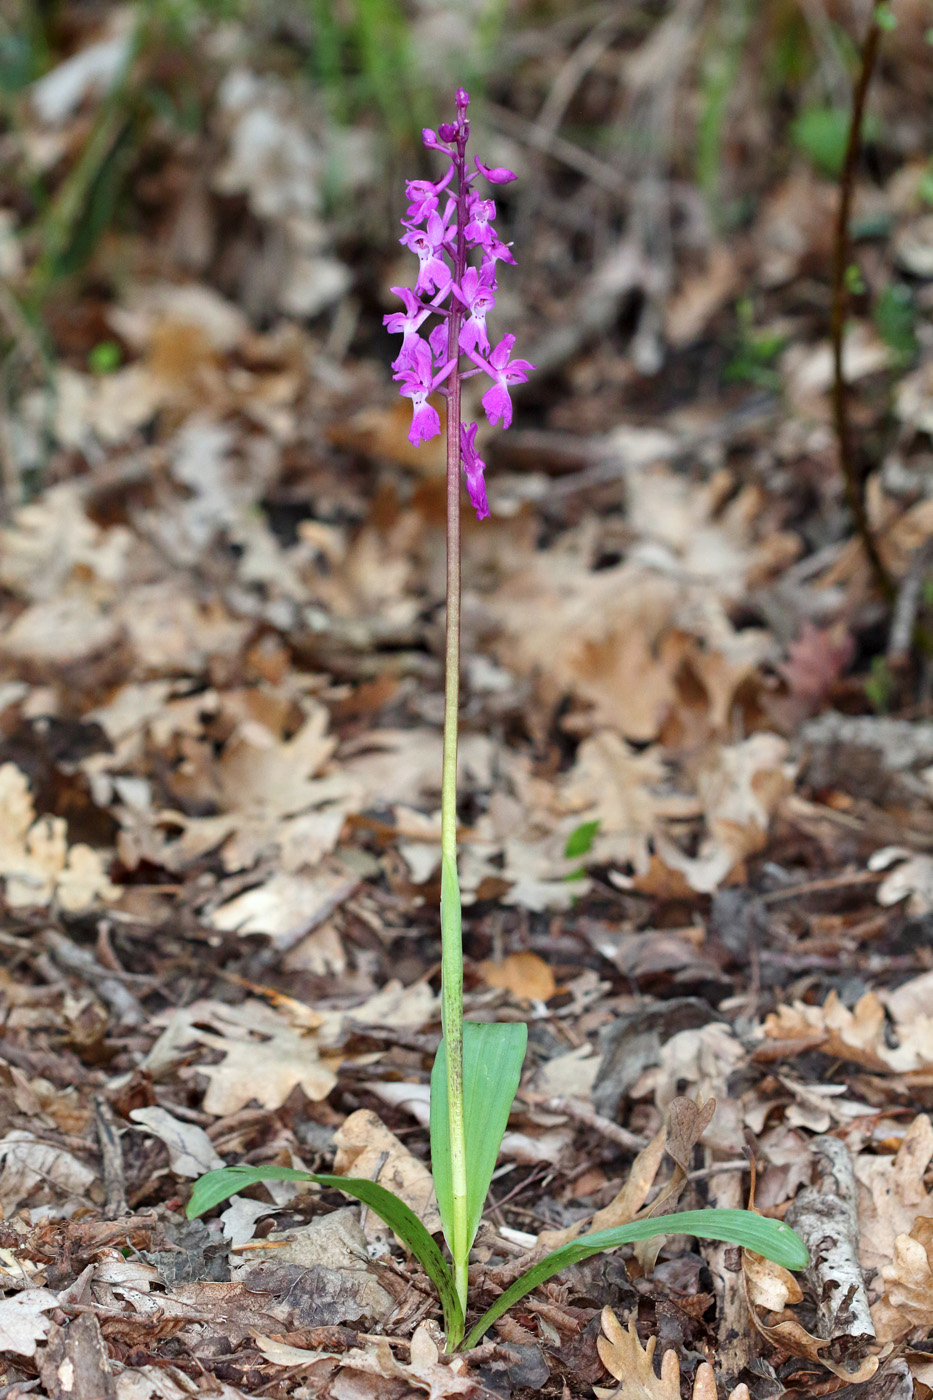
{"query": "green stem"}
pixel 451 937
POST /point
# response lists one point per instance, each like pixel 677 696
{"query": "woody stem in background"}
pixel 848 464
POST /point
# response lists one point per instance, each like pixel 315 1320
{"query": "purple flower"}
pixel 476 293
pixel 496 251
pixel 433 271
pixel 474 466
pixel 504 372
pixel 438 342
pixel 497 174
pixel 407 322
pixel 424 197
pixel 481 211
pixel 418 380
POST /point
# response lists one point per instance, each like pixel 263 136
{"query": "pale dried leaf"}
pixel 266 1070
pixel 624 1357
pixel 190 1150
pixel 857 1035
pixel 893 1193
pixel 907 1303
pixel 26 1163
pixel 367 1148
pixel 22 1323
pixel 768 1285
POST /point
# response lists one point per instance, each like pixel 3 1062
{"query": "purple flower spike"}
pixel 474 466
pixel 442 237
pixel 503 371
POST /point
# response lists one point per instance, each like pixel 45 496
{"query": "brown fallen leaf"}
pixel 789 1336
pixel 265 1069
pixel 622 1354
pixel 767 1284
pixel 22 1323
pixel 893 1193
pixel 366 1148
pixel 908 1285
pixel 523 974
pixel 857 1035
pixel 424 1371
pixel 36 862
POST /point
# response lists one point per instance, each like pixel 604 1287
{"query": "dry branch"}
pixel 826 1216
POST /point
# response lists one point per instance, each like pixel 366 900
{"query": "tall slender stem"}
pixel 451 938
pixel 851 473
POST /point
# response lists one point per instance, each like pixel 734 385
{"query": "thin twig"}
pixel 841 253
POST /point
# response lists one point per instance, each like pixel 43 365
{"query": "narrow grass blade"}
pixel 772 1238
pixel 214 1187
pixel 493 1054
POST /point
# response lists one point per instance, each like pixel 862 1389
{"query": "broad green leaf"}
pixel 772 1238
pixel 214 1187
pixel 493 1054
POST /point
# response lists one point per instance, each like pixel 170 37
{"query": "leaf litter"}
pixel 220 710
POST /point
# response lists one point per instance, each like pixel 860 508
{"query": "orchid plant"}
pixel 478 1065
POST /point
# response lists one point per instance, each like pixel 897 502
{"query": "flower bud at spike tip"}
pixel 458 294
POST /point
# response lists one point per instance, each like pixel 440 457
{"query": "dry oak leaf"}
pixel 425 1370
pixel 266 1070
pixel 367 1148
pixel 36 862
pixel 908 1298
pixel 857 1035
pixel 790 1337
pixel 767 1285
pixel 623 1355
pixel 893 1194
pixel 21 1322
pixel 522 974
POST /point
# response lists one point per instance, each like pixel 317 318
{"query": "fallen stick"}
pixel 826 1217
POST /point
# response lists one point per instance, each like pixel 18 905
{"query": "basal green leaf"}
pixel 493 1054
pixel 214 1187
pixel 772 1238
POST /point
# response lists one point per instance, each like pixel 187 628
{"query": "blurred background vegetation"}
pixel 229 140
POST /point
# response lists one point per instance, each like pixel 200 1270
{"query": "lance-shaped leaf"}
pixel 772 1238
pixel 214 1187
pixel 493 1054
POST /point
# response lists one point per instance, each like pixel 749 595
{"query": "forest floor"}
pixel 696 761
